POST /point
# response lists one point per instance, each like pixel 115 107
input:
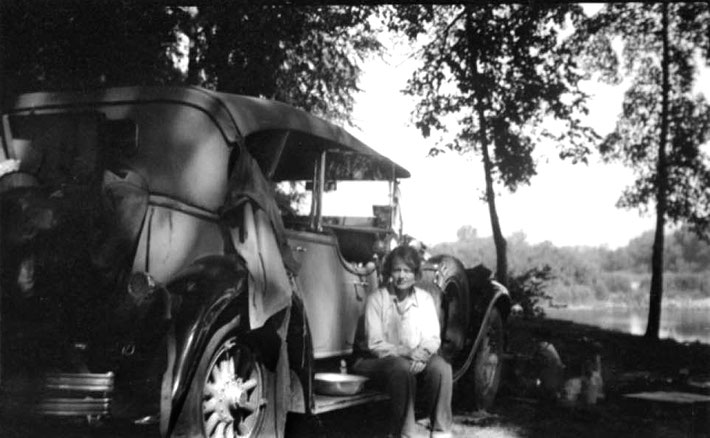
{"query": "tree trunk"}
pixel 656 295
pixel 498 238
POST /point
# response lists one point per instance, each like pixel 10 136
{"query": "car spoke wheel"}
pixel 488 364
pixel 232 395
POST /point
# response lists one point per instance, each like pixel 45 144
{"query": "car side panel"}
pixel 333 296
pixel 172 239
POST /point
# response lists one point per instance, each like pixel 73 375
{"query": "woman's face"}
pixel 402 275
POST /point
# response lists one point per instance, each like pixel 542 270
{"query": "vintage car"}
pixel 154 270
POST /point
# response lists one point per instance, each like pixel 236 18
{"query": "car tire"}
pixel 231 393
pixel 488 362
pixel 453 307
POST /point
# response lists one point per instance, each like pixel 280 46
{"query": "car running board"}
pixel 327 403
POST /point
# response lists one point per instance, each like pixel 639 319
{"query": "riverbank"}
pixel 630 364
pixel 668 303
pixel 620 352
pixel 682 323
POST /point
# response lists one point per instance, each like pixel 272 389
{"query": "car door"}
pixel 334 291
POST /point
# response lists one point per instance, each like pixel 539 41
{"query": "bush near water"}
pixel 580 276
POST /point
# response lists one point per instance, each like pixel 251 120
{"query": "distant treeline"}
pixel 585 275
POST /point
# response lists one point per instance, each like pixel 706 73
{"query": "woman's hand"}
pixel 420 355
pixel 419 358
pixel 417 367
pixel 403 351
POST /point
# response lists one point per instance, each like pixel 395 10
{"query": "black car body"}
pixel 150 274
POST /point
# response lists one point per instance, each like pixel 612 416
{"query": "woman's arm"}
pixel 375 327
pixel 430 341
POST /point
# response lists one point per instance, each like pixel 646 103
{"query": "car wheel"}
pixel 453 310
pixel 229 396
pixel 488 363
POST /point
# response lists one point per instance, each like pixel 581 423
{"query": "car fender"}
pixel 501 299
pixel 209 295
pixel 495 296
pixel 484 295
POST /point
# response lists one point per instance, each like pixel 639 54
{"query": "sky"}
pixel 565 204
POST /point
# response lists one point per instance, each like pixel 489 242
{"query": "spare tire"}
pixel 445 278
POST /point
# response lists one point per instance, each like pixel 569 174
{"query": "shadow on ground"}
pixel 519 412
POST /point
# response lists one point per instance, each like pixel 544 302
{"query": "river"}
pixel 683 324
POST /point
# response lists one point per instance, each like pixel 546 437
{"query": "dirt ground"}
pixel 629 364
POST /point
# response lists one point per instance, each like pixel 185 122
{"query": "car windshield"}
pixel 345 203
pixel 357 187
pixel 356 198
pixel 345 198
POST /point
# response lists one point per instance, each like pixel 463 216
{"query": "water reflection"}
pixel 637 325
pixel 681 324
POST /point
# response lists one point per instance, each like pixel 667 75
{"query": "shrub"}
pixel 686 284
pixel 619 282
pixel 529 288
pixel 559 292
pixel 601 291
pixel 582 294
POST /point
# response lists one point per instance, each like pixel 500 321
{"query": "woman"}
pixel 401 340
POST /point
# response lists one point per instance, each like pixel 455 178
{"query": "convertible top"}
pixel 237 117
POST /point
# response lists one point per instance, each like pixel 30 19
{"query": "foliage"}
pixel 663 124
pixel 66 45
pixel 290 197
pixel 635 140
pixel 529 288
pixel 516 66
pixel 594 275
pixel 498 70
pixel 688 253
pixel 626 288
pixel 306 56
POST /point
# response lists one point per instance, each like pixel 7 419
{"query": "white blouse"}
pixel 394 327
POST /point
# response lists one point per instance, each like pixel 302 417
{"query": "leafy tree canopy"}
pixel 635 140
pixel 498 70
pixel 306 56
pixel 70 45
pixel 512 61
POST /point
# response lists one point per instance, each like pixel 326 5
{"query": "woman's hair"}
pixel 408 255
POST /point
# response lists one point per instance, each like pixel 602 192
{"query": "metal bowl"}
pixel 338 384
